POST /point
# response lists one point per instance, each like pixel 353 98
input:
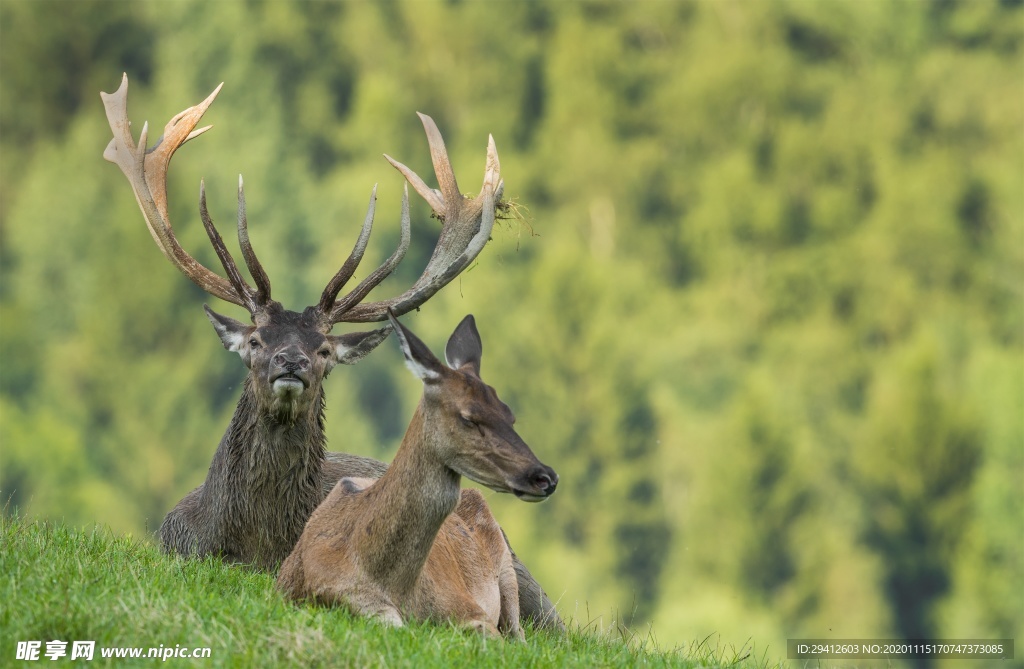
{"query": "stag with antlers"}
pixel 271 468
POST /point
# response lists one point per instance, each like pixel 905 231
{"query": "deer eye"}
pixel 254 343
pixel 324 353
pixel 471 424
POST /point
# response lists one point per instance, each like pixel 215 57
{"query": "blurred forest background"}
pixel 765 315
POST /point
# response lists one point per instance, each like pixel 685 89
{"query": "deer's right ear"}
pixel 232 333
pixel 418 357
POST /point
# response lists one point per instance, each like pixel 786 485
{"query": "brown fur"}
pixel 412 544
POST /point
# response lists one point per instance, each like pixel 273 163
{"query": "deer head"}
pixel 463 415
pixel 288 352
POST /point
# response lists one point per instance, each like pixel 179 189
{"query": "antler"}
pixel 467 224
pixel 147 173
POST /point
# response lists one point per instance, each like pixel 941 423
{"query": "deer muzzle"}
pixel 289 372
pixel 536 485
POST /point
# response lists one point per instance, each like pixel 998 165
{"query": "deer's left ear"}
pixel 352 347
pixel 464 346
pixel 418 357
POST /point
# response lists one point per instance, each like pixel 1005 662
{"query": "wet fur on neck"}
pixel 266 478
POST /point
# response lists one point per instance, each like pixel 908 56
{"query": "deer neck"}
pixel 266 477
pixel 268 447
pixel 409 504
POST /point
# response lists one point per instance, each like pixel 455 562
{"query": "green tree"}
pixel 915 470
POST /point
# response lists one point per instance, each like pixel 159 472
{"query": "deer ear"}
pixel 418 358
pixel 352 347
pixel 232 333
pixel 464 346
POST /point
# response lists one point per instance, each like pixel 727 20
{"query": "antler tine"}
pixel 467 228
pixel 350 265
pixel 382 272
pixel 439 157
pixel 251 261
pixel 147 175
pixel 237 281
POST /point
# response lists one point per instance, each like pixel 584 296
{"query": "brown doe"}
pixel 412 544
pixel 271 469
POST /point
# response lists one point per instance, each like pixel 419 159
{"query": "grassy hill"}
pixel 121 592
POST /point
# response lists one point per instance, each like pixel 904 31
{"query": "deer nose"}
pixel 291 359
pixel 545 479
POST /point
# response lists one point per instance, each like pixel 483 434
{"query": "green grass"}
pixel 68 584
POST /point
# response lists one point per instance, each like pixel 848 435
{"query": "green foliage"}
pixel 916 505
pixel 69 45
pixel 764 317
pixel 93 586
